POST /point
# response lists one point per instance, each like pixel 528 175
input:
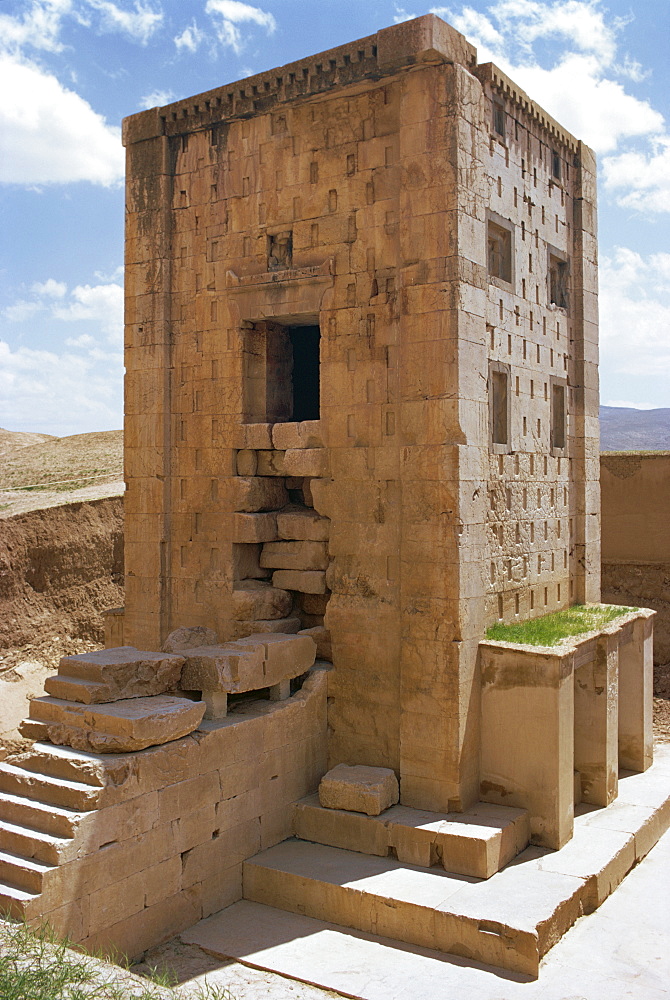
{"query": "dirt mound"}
pixel 68 462
pixel 14 440
pixel 61 566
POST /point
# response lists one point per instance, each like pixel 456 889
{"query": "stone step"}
pixel 125 725
pixel 16 902
pixel 41 817
pixel 46 789
pixel 478 843
pixel 75 689
pixel 124 672
pixel 25 873
pixel 510 920
pixel 34 844
pixel 64 762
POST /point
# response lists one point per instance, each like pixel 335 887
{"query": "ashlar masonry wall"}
pixel 354 192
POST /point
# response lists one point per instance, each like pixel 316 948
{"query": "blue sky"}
pixel 70 70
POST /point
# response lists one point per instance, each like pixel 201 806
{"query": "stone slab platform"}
pixel 619 953
pixel 510 920
pixel 478 843
pixel 117 727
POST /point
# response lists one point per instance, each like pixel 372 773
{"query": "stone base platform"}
pixel 477 843
pixel 510 920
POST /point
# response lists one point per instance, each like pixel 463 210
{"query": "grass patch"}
pixel 34 965
pixel 553 628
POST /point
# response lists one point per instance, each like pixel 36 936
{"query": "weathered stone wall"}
pixel 352 191
pixel 153 841
pixel 636 537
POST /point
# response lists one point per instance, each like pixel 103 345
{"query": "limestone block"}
pixel 286 656
pixel 359 788
pixel 247 462
pixel 189 638
pixel 257 493
pixel 303 523
pixel 299 434
pixel 303 555
pixel 254 528
pixel 243 629
pixel 109 675
pixel 271 463
pixel 131 724
pixel 305 581
pixel 232 668
pixel 321 636
pixel 306 462
pixel 255 599
pixel 253 436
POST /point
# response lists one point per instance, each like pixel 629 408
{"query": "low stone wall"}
pixel 636 536
pixel 162 833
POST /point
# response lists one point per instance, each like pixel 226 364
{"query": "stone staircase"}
pixel 422 878
pixel 43 804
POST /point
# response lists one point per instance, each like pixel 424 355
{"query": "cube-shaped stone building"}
pixel 361 390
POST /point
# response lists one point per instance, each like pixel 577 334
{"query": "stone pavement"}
pixel 620 952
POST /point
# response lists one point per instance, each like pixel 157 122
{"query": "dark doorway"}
pixel 305 342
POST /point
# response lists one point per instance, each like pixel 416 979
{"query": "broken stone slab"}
pixel 321 636
pixel 302 524
pixel 190 637
pixel 305 462
pixel 359 788
pixel 108 675
pixel 242 629
pixel 254 528
pixel 249 664
pixel 130 724
pixel 257 600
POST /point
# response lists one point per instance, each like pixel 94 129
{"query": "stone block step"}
pixel 510 920
pixel 122 672
pixel 26 873
pixel 478 843
pixel 34 844
pixel 125 725
pixel 16 902
pixel 46 789
pixel 41 817
pixel 71 765
pixel 75 689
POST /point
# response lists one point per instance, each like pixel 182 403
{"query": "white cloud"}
pixel 140 24
pixel 61 393
pixel 51 135
pixel 38 26
pixel 635 313
pixel 51 288
pixel 190 38
pixel 101 306
pixel 401 15
pixel 229 14
pixel 640 179
pixel 157 98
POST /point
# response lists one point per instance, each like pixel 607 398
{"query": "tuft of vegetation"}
pixel 558 626
pixel 35 965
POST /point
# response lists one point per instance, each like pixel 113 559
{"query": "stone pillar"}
pixel 636 681
pixel 596 720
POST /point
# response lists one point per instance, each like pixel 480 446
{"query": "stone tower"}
pixel 361 390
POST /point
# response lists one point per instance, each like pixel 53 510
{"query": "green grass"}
pixel 34 965
pixel 551 629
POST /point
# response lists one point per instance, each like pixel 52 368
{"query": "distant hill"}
pixel 625 429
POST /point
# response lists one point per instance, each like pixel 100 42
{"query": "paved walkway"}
pixel 620 952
